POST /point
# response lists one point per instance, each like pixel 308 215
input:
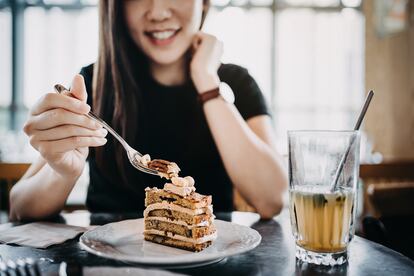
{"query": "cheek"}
pixel 191 15
pixel 190 19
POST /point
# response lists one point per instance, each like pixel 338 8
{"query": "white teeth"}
pixel 162 35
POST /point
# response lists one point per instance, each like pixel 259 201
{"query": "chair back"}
pixel 10 173
pixel 388 188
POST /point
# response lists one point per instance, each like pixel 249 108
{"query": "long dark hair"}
pixel 116 90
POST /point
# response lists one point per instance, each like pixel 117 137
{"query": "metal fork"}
pixel 134 156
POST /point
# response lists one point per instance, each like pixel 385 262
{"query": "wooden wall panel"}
pixel 390 72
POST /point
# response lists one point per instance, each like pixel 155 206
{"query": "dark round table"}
pixel 274 256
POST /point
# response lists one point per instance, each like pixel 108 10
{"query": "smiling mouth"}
pixel 162 37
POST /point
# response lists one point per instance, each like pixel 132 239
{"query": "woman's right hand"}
pixel 60 132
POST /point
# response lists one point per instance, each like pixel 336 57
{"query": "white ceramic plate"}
pixel 124 241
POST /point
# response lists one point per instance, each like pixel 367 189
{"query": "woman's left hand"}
pixel 205 62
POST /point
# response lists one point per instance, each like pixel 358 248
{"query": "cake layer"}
pixel 210 237
pixel 176 243
pixel 174 207
pixel 182 230
pixel 192 201
pixel 181 222
pixel 171 214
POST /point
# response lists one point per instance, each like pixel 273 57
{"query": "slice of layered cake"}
pixel 164 168
pixel 177 216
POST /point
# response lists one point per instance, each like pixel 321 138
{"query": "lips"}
pixel 162 37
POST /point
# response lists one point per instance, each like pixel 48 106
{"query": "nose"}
pixel 159 10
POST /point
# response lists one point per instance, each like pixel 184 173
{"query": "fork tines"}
pixel 20 267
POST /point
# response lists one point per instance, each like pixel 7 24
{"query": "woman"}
pixel 153 68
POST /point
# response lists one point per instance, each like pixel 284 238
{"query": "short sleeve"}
pixel 87 74
pixel 249 99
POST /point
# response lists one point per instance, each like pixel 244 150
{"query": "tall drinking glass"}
pixel 322 205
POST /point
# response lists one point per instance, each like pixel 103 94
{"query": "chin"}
pixel 165 58
pixel 163 61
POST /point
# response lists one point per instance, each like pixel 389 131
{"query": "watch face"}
pixel 226 92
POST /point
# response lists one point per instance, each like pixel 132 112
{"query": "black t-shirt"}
pixel 175 130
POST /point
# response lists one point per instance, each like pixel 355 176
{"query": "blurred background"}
pixel 314 60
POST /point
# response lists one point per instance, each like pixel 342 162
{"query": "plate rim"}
pixel 171 260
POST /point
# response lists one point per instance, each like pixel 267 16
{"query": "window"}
pixel 5 66
pixel 247 39
pixel 319 69
pixel 58 43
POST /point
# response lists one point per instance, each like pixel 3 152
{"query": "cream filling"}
pixel 204 239
pixel 181 191
pixel 174 207
pixel 187 181
pixel 180 222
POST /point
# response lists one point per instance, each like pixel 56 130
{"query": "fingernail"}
pixel 103 140
pixel 103 132
pixel 85 108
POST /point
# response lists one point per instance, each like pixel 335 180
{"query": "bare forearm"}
pixel 253 165
pixel 40 195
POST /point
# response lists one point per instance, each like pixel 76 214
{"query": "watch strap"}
pixel 209 95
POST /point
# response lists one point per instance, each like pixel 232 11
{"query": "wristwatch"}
pixel 223 90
